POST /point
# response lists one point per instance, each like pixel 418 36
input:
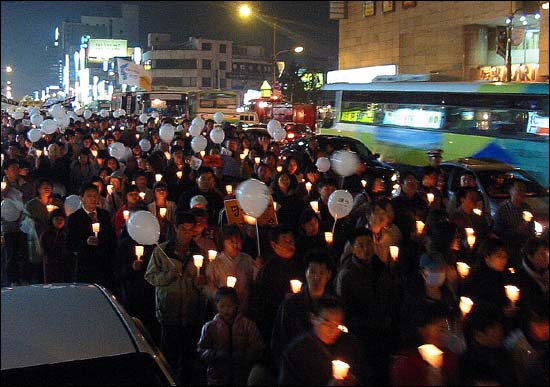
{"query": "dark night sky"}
pixel 27 27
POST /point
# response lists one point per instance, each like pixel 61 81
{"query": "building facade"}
pixel 455 38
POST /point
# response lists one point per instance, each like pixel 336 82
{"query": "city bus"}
pixel 402 120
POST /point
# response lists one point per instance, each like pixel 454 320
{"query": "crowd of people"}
pixel 375 295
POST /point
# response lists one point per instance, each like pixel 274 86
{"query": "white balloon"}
pixel 34 111
pixel 179 128
pixel 17 115
pixel 79 111
pixel 116 114
pixel 62 122
pixel 72 203
pixel 166 132
pixel 145 145
pixel 199 143
pixel 323 164
pixel 253 196
pixel 340 203
pixel 104 113
pixel 272 125
pixel 10 210
pixel 344 162
pixel 143 118
pixel 195 130
pixel 117 150
pixel 217 135
pixel 37 119
pixel 218 117
pixel 34 135
pixel 121 112
pixel 155 115
pixel 143 227
pixel 58 111
pixel 49 126
pixel 198 121
pixel 87 114
pixel 279 134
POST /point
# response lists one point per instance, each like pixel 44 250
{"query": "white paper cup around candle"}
pixel 95 228
pixel 197 260
pixel 167 155
pixel 46 152
pixel 295 286
pixel 430 197
pixel 419 227
pixel 275 204
pixel 139 252
pixel 4 185
pixel 245 151
pixel 469 231
pixel 314 205
pixel 465 305
pixel 51 207
pixel 512 292
pixel 257 160
pixel 340 369
pixel 203 153
pixel 231 281
pixel 343 328
pixel 477 211
pixel 463 269
pixel 212 255
pixel 126 214
pixel 137 136
pixel 110 189
pixel 432 355
pixel 229 189
pixel 527 216
pixel 308 186
pixel 471 239
pixel 279 169
pixel 142 195
pixel 158 177
pixel 512 270
pixel 179 174
pixel 328 237
pixel 162 211
pixel 38 153
pixel 364 183
pixel 242 156
pixel 394 252
pixel 94 153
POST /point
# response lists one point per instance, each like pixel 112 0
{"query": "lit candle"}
pixel 229 189
pixel 110 189
pixel 179 174
pixel 38 153
pixel 133 182
pixel 430 197
pixel 158 177
pixel 249 219
pixel 95 228
pixel 212 255
pixel 419 227
pixel 94 153
pixel 328 237
pixel 431 354
pixel 167 155
pixel 469 231
pixel 295 285
pixel 280 168
pixel 51 207
pixel 471 239
pixel 340 369
pixel 4 185
pixel 394 252
pixel 463 269
pixel 257 160
pixel 242 156
pixel 139 252
pixel 308 186
pixel 231 281
pixel 512 292
pixel 275 204
pixel 46 152
pixel 465 305
pixel 477 211
pixel 314 205
pixel 245 151
pixel 197 260
pixel 343 328
pixel 142 195
pixel 512 270
pixel 126 214
pixel 187 134
pixel 137 136
pixel 162 212
pixel 96 140
pixel 364 183
pixel 527 216
pixel 203 153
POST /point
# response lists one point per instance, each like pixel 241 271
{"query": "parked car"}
pixel 303 147
pixel 294 131
pixel 493 180
pixel 75 334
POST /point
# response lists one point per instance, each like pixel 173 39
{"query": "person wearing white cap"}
pixel 198 201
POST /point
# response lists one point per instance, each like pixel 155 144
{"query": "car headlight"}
pixel 538 228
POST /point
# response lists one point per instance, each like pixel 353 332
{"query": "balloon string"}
pixel 258 238
pixel 334 226
pixel 342 179
pixel 166 255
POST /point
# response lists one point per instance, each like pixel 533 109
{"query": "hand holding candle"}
pixel 162 212
pixel 314 205
pixel 431 355
pixel 463 269
pixel 229 189
pixel 158 177
pixel 465 305
pixel 139 252
pixel 527 216
pixel 394 252
pixel 477 211
pixel 179 174
pixel 95 228
pixel 295 286
pixel 430 197
pixel 51 207
pixel 328 237
pixel 340 369
pixel 308 187
pixel 512 292
pixel 126 214
pixel 142 195
pixel 231 281
pixel 4 185
pixel 197 260
pixel 110 189
pixel 212 255
pixel 420 227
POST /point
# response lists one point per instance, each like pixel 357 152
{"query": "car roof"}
pixel 480 163
pixel 45 324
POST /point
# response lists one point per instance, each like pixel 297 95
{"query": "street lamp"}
pixel 8 69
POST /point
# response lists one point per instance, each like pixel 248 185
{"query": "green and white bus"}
pixel 402 120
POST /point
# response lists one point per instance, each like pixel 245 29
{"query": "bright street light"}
pixel 9 69
pixel 244 10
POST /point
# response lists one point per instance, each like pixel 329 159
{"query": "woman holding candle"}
pixel 141 183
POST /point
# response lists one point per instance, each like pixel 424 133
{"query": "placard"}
pixel 388 6
pixel 235 214
pixel 369 8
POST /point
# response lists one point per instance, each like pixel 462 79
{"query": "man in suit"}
pixel 94 253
